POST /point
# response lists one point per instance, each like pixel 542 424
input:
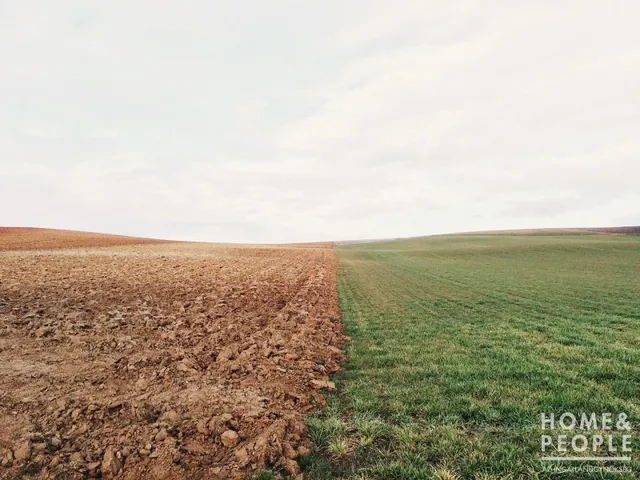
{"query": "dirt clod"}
pixel 110 465
pixel 22 452
pixel 76 459
pixel 319 384
pixel 229 438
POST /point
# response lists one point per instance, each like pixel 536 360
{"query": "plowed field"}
pixel 159 361
pixel 42 238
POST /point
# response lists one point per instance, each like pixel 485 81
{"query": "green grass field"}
pixel 459 343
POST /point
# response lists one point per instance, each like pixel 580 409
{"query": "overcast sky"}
pixel 272 121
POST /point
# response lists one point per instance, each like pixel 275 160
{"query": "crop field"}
pixel 460 343
pixel 143 359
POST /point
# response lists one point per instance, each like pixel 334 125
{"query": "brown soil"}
pixel 46 239
pixel 163 361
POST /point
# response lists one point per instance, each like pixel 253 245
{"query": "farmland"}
pixel 162 360
pixel 459 343
pixel 137 358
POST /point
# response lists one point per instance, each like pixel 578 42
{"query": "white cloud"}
pixel 318 120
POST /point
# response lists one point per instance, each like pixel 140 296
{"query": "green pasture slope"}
pixel 459 343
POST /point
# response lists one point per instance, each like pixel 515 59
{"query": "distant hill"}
pixel 617 230
pixel 561 231
pixel 21 238
pixel 630 230
pixel 16 238
pixel 532 231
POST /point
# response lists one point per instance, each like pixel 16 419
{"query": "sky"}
pixel 289 121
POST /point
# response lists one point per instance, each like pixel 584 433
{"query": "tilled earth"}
pixel 156 361
pixel 42 238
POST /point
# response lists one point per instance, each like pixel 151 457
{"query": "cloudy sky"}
pixel 271 121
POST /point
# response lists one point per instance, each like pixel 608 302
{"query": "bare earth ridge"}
pixel 161 360
pixel 45 239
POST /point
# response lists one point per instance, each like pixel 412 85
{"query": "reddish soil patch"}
pixel 163 361
pixel 46 239
pixel 617 230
